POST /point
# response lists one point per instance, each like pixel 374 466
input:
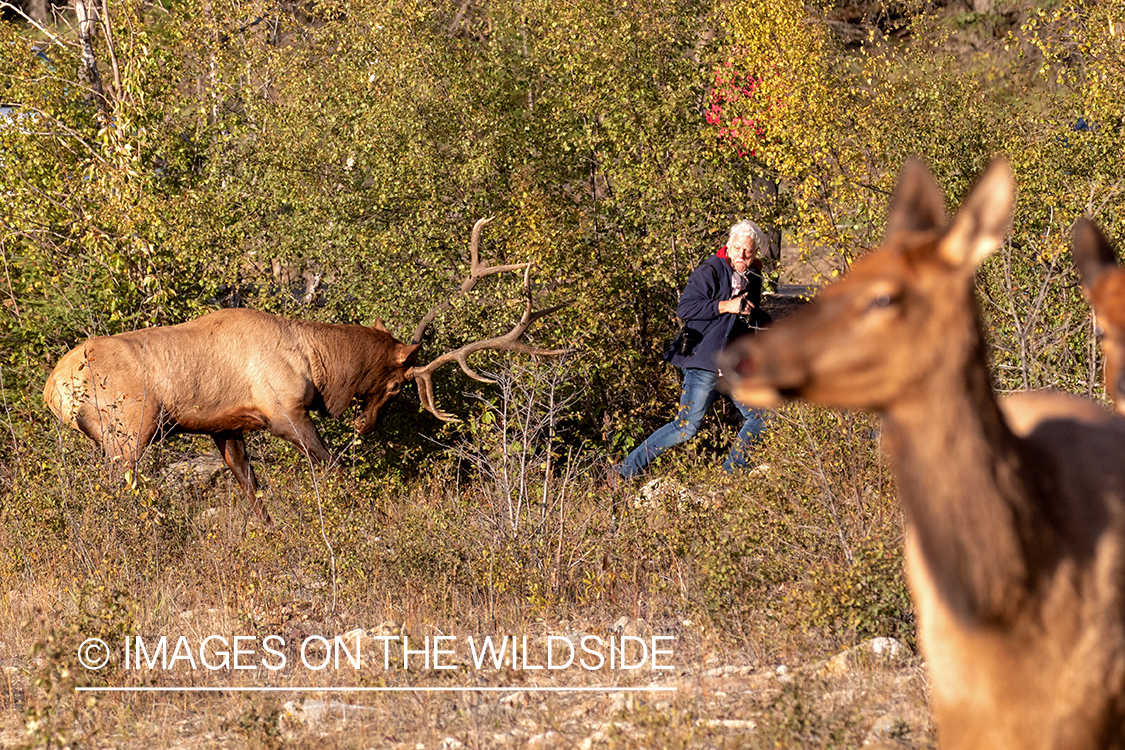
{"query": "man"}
pixel 721 302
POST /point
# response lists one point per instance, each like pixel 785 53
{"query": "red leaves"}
pixel 729 92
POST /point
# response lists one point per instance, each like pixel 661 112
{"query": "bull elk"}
pixel 1015 546
pixel 1103 283
pixel 237 370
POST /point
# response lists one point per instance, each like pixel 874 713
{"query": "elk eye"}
pixel 881 300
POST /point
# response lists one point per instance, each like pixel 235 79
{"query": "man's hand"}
pixel 738 304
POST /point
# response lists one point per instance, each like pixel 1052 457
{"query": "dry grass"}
pixel 782 566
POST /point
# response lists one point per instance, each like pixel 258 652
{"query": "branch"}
pixel 19 11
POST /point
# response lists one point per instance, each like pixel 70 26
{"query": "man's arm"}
pixel 698 302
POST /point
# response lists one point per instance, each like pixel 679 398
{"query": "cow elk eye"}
pixel 880 301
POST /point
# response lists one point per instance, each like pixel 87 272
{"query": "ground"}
pixel 874 693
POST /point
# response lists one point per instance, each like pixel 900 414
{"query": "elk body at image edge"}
pixel 1103 283
pixel 238 370
pixel 1015 548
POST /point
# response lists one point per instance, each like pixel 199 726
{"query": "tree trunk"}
pixel 38 10
pixel 764 192
pixel 88 71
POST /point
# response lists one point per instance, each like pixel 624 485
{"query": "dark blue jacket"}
pixel 699 309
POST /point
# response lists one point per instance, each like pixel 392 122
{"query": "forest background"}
pixel 326 160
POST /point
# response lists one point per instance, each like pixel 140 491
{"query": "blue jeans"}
pixel 698 396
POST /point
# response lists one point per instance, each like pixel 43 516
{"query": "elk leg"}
pixel 233 450
pixel 299 430
pixel 122 431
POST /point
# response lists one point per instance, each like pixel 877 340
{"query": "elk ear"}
pixel 378 325
pixel 917 205
pixel 1092 252
pixel 983 220
pixel 407 353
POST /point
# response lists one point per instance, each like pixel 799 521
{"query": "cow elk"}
pixel 237 370
pixel 1015 546
pixel 1103 282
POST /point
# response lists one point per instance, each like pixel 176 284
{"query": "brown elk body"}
pixel 237 370
pixel 1103 282
pixel 224 374
pixel 1015 525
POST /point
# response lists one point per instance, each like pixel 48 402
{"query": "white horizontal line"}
pixel 306 689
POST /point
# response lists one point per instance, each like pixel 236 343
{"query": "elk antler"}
pixel 509 342
pixel 477 271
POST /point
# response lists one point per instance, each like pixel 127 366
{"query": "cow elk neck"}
pixel 1015 510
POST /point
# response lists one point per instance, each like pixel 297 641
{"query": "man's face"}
pixel 742 253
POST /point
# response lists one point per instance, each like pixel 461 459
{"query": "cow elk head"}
pixel 1103 283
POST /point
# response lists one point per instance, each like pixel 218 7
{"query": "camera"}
pixel 689 339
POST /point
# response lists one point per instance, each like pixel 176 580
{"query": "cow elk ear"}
pixel 979 227
pixel 378 325
pixel 917 205
pixel 1092 252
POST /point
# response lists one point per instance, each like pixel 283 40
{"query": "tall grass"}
pixel 511 533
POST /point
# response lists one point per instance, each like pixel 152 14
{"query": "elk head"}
pixel 851 347
pixel 1103 283
pixel 387 380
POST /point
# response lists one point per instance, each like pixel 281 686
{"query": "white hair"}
pixel 747 228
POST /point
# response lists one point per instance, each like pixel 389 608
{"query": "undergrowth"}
pixel 794 559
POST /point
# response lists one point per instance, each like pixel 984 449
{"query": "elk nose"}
pixel 746 366
pixel 736 362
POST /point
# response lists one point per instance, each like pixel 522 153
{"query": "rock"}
pixel 200 470
pixel 744 724
pixel 317 715
pixel 888 647
pixel 879 650
pixel 895 729
pixel 541 739
pixel 518 698
pixel 729 670
pixel 653 493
